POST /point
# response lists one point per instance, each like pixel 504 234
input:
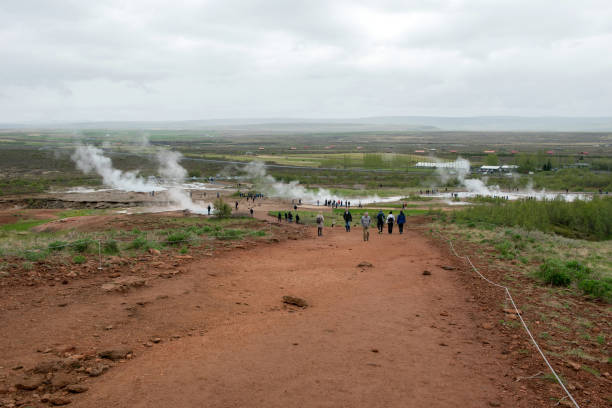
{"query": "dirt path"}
pixel 385 336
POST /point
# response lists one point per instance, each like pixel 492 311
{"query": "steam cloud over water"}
pixel 90 159
pixel 256 172
pixel 460 169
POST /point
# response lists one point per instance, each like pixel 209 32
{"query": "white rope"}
pixel 467 258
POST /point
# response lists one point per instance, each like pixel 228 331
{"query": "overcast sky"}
pixel 186 59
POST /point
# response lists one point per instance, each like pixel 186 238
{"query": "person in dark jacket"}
pixel 280 217
pixel 297 218
pixel 290 216
pixel 401 220
pixel 380 221
pixel 348 218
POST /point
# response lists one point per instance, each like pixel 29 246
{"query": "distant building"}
pixel 419 151
pixel 261 148
pixel 489 151
pixel 440 165
pixel 508 168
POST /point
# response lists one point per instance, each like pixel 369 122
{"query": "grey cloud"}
pixel 76 60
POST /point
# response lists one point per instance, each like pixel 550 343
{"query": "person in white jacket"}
pixel 390 221
pixel 320 223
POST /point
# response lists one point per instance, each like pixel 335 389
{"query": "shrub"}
pixel 177 238
pixel 554 272
pixel 139 243
pixel 110 247
pixel 79 259
pixel 601 289
pixel 222 209
pixel 57 245
pixel 81 245
pixel 34 256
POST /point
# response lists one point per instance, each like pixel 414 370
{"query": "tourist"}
pixel 348 218
pixel 320 222
pixel 208 209
pixel 365 223
pixel 280 217
pixel 390 221
pixel 236 205
pixel 297 218
pixel 290 215
pixel 401 220
pixel 380 221
pixel 251 211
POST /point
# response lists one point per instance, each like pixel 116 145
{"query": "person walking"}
pixel 380 221
pixel 236 205
pixel 290 215
pixel 209 209
pixel 297 218
pixel 280 217
pixel 365 223
pixel 320 223
pixel 390 221
pixel 251 211
pixel 348 218
pixel 401 220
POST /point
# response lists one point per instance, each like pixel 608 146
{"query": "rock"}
pixel 365 264
pixel 72 274
pixel 494 404
pixel 155 340
pixel 512 311
pixel 30 383
pixel 123 284
pixel 296 301
pixel 97 370
pixel 59 400
pixel 154 251
pixel 47 366
pixel 76 388
pixel 109 287
pixel 115 354
pixel 448 268
pixel 487 326
pixel 45 398
pixel 60 380
pixel 511 317
pixel 426 272
pixel 573 365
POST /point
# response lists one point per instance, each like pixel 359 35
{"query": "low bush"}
pixel 57 245
pixel 110 247
pixel 222 209
pixel 81 245
pixel 554 272
pixel 601 289
pixel 79 259
pixel 177 238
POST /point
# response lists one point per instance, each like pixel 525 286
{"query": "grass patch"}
pixel 22 225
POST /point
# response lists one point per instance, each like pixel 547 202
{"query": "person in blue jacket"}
pixel 401 220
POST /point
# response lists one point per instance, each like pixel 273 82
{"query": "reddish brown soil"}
pixel 380 336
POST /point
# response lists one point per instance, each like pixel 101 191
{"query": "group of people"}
pixel 336 203
pixel 289 217
pixel 251 196
pixel 366 221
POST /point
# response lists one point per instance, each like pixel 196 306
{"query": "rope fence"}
pixel 517 310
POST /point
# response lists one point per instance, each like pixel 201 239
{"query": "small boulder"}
pixel 60 380
pixel 365 264
pixel 487 326
pixel 426 272
pixel 115 354
pixel 29 383
pixel 97 370
pixel 59 400
pixel 47 366
pixel 295 301
pixel 154 251
pixel 76 388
